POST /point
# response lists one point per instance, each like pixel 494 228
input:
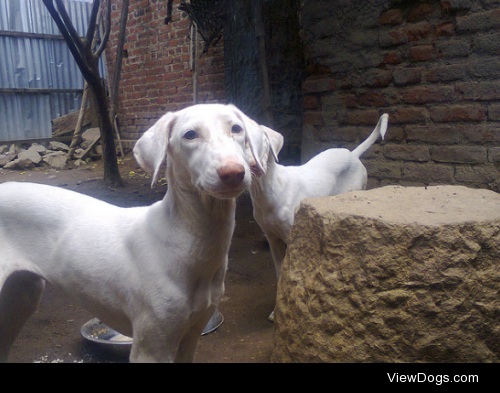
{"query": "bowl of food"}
pixel 97 332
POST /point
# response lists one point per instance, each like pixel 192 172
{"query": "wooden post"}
pixel 77 137
pixel 260 33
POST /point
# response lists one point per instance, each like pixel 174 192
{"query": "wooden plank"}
pixel 20 34
pixel 65 125
pixel 37 91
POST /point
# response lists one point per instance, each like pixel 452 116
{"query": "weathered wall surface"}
pixel 392 275
pixel 433 65
pixel 285 66
pixel 157 76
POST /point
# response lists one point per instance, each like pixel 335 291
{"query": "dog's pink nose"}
pixel 232 173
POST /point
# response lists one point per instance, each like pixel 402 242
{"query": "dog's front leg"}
pixel 278 252
pixel 156 341
pixel 189 342
pixel 187 347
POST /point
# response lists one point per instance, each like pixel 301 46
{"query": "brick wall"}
pixel 434 66
pixel 156 73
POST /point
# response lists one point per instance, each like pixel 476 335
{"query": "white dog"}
pixel 278 190
pixel 154 273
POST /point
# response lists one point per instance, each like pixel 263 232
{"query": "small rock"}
pixel 58 146
pixel 4 149
pixel 56 160
pixel 31 155
pixel 90 137
pixel 20 164
pixel 79 163
pixel 38 148
pixel 9 156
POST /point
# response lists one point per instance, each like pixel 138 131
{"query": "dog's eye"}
pixel 190 135
pixel 236 129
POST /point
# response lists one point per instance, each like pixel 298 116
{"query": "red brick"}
pixel 377 78
pixel 445 73
pixel 393 58
pixel 311 102
pixel 312 118
pixel 317 69
pixel 460 154
pixel 428 173
pixel 477 174
pixel 407 76
pixel 457 113
pixel 384 169
pixel 479 21
pixel 426 95
pixel 407 152
pixel 418 31
pixel 349 100
pixel 363 117
pixel 318 85
pixel 392 17
pixel 455 5
pixel 408 115
pixel 421 12
pixel 393 37
pixel 422 53
pixel 372 99
pixel 453 133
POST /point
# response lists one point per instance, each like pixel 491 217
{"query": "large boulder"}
pixel 392 275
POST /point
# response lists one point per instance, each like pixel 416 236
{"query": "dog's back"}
pixel 332 172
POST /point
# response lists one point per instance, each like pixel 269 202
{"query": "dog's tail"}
pixel 381 129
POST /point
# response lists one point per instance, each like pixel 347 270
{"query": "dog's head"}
pixel 205 146
pixel 267 144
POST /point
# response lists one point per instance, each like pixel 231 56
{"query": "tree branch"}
pixel 107 31
pixel 69 25
pixel 77 54
pixel 92 24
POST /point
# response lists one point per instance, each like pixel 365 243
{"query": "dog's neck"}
pixel 267 184
pixel 201 211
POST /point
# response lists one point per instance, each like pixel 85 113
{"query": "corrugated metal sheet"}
pixel 37 63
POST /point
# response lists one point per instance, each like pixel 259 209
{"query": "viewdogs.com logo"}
pixel 429 378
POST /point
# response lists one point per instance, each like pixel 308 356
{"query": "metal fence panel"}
pixel 37 62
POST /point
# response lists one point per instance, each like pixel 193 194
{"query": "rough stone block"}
pixel 392 275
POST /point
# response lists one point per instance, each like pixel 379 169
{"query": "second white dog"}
pixel 278 190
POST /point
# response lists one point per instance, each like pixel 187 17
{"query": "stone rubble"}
pixel 54 154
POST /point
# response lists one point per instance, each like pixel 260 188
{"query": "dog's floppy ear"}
pixel 253 137
pixel 275 139
pixel 151 149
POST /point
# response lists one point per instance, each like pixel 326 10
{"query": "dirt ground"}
pixel 53 334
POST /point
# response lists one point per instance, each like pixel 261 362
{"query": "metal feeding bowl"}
pixel 99 333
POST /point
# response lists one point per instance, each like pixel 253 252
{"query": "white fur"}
pixel 278 190
pixel 155 273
